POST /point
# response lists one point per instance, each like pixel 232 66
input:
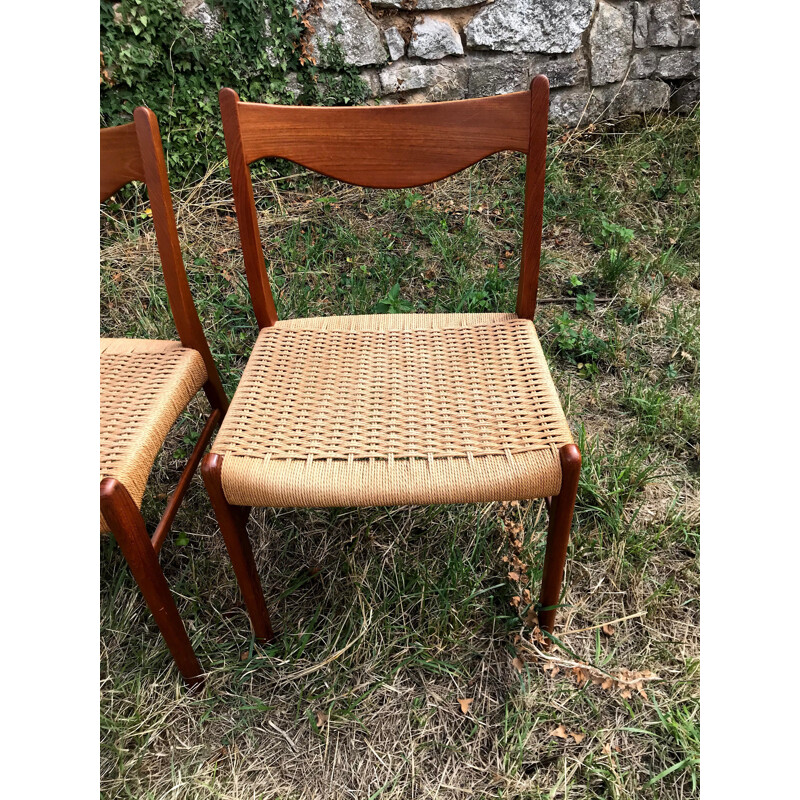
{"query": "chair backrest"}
pixel 133 152
pixel 387 147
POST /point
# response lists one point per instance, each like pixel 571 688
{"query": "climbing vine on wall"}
pixel 154 55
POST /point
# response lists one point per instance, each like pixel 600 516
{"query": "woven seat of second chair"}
pixel 144 386
pixel 393 410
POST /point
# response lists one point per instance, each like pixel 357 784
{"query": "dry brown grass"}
pixel 388 616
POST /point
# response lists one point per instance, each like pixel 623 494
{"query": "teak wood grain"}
pixel 187 322
pixel 387 147
pixel 528 285
pixel 175 500
pixel 127 525
pixel 233 524
pixel 120 159
pixel 561 510
pixel 247 218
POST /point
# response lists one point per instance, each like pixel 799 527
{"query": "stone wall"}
pixel 604 58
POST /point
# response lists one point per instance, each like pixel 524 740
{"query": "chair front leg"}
pixel 232 521
pixel 127 525
pixel 555 557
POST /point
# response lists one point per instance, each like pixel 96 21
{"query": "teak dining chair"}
pixel 391 409
pixel 145 384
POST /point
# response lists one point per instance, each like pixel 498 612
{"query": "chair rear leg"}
pixel 555 557
pixel 127 525
pixel 232 521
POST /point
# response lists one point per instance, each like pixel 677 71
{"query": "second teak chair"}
pixel 391 409
pixel 145 384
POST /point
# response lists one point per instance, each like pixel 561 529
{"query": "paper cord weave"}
pixel 393 409
pixel 144 386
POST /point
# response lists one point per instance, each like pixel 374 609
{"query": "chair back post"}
pixel 387 147
pixel 184 312
pixel 528 285
pixel 120 165
pixel 244 203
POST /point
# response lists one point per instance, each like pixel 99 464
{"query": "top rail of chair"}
pixel 120 159
pixel 385 146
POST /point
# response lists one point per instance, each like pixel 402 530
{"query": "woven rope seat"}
pixel 393 409
pixel 144 386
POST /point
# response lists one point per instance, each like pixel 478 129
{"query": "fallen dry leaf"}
pixel 562 733
pixel 581 675
pixel 513 576
pixel 519 666
pixel 465 702
pixel 322 718
pixel 532 618
pixel 538 637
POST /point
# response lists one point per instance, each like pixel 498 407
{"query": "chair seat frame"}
pixel 128 153
pixel 396 147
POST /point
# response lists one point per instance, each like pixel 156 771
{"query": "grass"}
pixel 387 616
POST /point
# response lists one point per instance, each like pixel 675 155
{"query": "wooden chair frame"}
pixel 396 147
pixel 128 153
